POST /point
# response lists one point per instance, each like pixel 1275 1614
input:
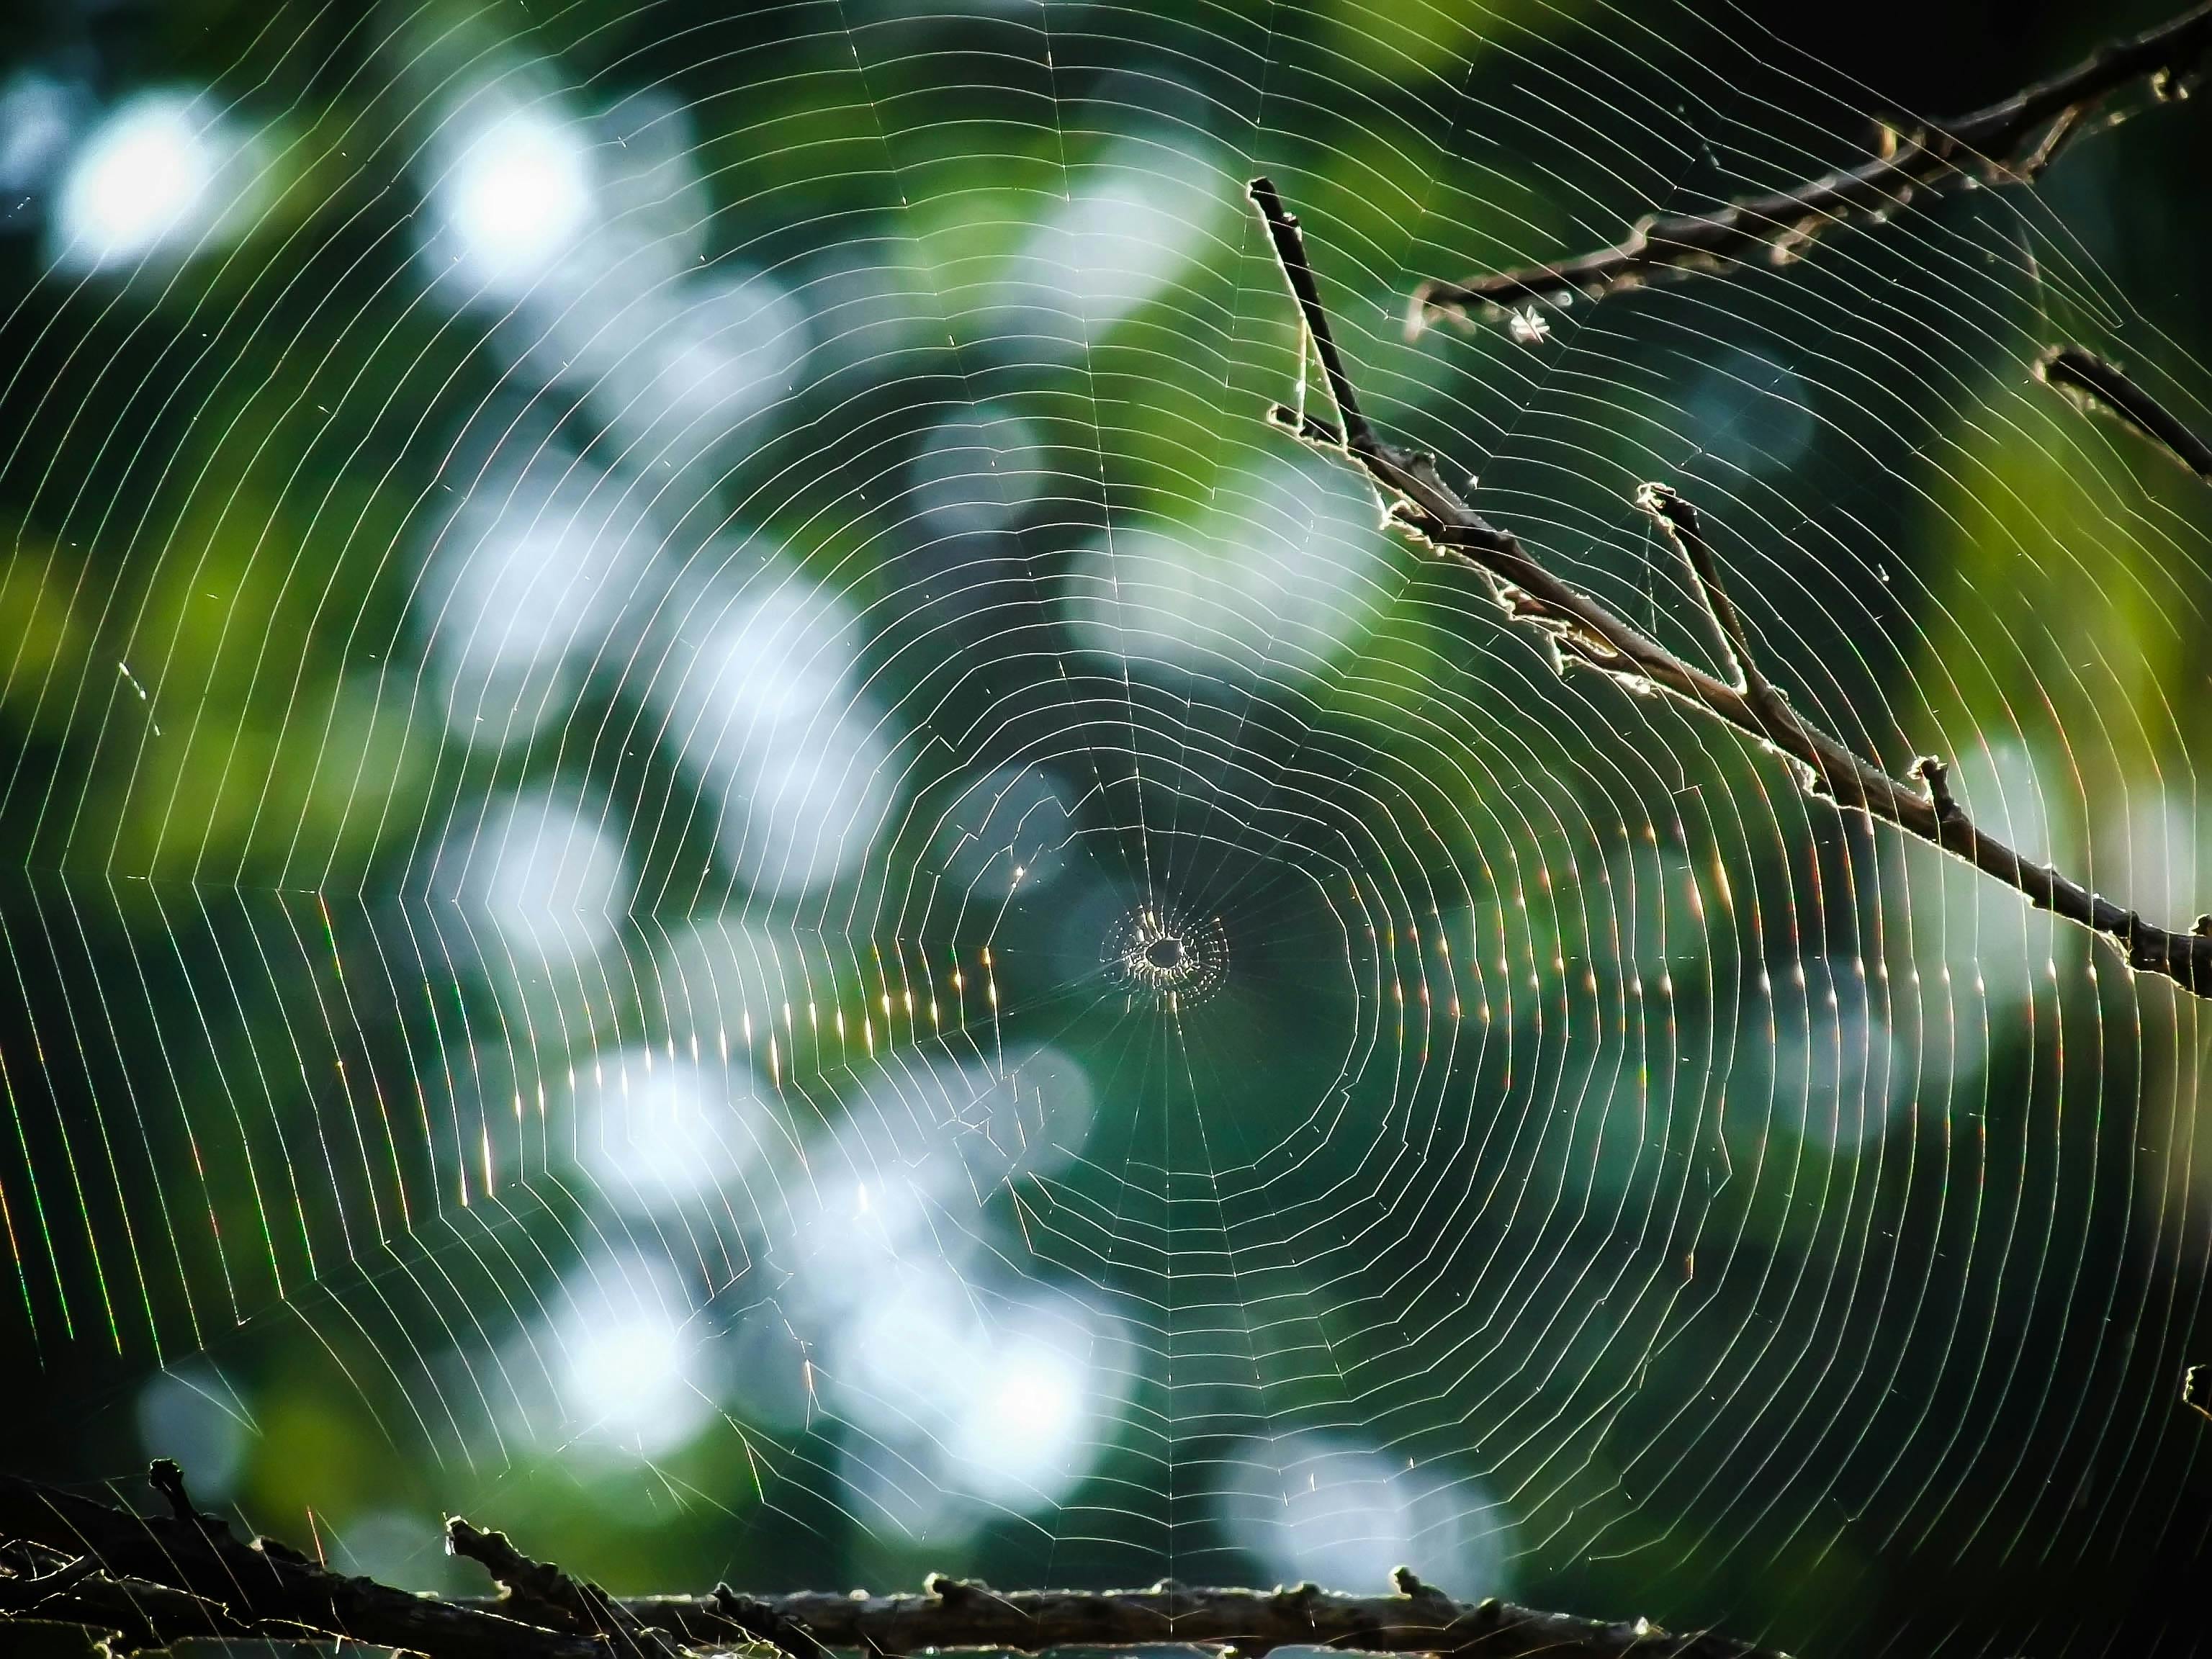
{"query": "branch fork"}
pixel 1584 632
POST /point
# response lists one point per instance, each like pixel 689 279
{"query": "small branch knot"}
pixel 1665 501
pixel 167 1476
pixel 1299 1598
pixel 1936 777
pixel 756 1618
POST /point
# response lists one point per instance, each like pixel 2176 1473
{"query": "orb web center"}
pixel 1175 958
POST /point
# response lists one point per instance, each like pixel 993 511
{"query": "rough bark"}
pixel 2010 141
pixel 1585 634
pixel 155 1579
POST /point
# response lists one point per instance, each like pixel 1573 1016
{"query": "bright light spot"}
pixel 142 182
pixel 908 1354
pixel 798 776
pixel 995 1401
pixel 777 659
pixel 701 357
pixel 1314 1506
pixel 545 874
pixel 1129 225
pixel 2162 849
pixel 901 1184
pixel 1283 569
pixel 1023 1429
pixel 540 570
pixel 514 190
pixel 805 816
pixel 1030 1112
pixel 845 1228
pixel 656 1132
pixel 1968 931
pixel 630 1362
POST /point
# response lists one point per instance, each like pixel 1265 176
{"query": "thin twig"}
pixel 2196 1390
pixel 2098 383
pixel 1683 527
pixel 1585 632
pixel 2010 141
pixel 24 1594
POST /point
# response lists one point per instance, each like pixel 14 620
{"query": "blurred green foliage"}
pixel 1778 1228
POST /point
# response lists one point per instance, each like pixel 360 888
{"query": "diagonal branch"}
pixel 2010 141
pixel 2098 383
pixel 1585 632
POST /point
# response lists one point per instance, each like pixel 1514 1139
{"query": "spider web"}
pixel 708 844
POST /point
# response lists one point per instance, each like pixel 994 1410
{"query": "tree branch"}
pixel 954 1614
pixel 2097 383
pixel 265 1588
pixel 2010 141
pixel 158 1579
pixel 538 1593
pixel 1584 633
pixel 1664 503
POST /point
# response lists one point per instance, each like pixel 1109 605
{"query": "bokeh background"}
pixel 708 853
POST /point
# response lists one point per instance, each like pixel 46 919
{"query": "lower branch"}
pixel 1585 632
pixel 957 1613
pixel 538 1593
pixel 262 1588
pixel 157 1579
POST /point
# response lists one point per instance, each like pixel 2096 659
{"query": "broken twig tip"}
pixel 2098 384
pixel 167 1476
pixel 168 1479
pixel 1665 502
pixel 1936 777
